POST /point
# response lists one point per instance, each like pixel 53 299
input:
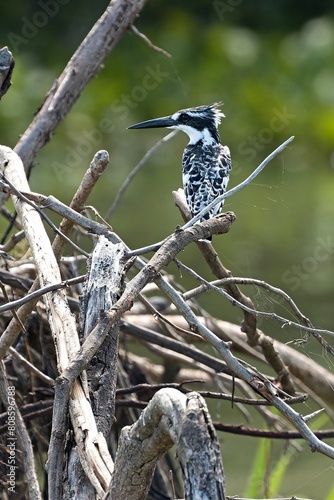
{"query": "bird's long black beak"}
pixel 166 121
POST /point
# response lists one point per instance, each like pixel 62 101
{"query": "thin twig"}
pixel 240 186
pixel 281 319
pixel 248 281
pixel 148 41
pixel 157 314
pixel 206 394
pixel 246 431
pixel 42 291
pixel 31 367
pixel 227 194
pixel 24 198
pixel 4 291
pixel 135 171
pixel 156 387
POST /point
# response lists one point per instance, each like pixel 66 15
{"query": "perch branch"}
pixel 227 194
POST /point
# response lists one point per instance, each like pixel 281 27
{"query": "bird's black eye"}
pixel 183 118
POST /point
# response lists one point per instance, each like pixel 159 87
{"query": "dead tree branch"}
pixel 240 186
pixel 300 365
pixel 254 335
pixel 97 166
pixel 104 286
pixel 63 328
pixel 85 63
pixel 8 400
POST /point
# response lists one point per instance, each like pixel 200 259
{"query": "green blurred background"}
pixel 272 63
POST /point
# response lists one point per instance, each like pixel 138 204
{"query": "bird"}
pixel 206 163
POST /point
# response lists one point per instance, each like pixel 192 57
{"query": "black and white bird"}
pixel 206 164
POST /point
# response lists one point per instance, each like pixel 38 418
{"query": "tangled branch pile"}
pixel 71 321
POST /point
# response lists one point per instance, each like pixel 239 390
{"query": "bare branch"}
pixel 63 328
pixel 240 186
pixel 307 371
pixel 213 286
pixel 84 65
pixel 192 352
pixel 148 272
pixel 104 286
pixel 247 281
pixel 168 405
pixel 23 437
pixel 263 386
pixel 31 367
pixel 266 343
pixel 24 198
pixel 14 239
pixel 41 291
pixel 135 171
pixel 149 43
pixel 269 434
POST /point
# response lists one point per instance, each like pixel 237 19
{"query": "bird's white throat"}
pixel 196 135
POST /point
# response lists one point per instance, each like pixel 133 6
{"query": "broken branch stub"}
pixel 106 271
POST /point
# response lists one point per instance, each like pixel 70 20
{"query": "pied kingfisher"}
pixel 206 164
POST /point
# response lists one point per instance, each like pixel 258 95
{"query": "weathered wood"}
pixel 98 465
pixel 103 289
pixel 167 420
pixel 84 65
pixel 199 453
pixel 24 447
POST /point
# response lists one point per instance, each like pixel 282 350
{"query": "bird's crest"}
pixel 210 112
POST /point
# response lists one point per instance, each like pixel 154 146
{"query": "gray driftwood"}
pixel 103 289
pixel 171 418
